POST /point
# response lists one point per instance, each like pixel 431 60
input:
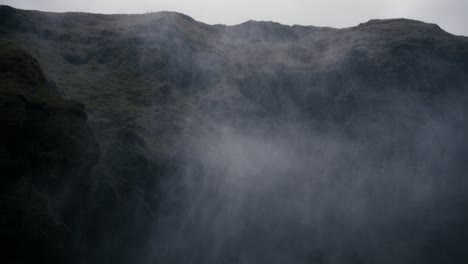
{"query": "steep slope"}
pixel 300 139
pixel 47 152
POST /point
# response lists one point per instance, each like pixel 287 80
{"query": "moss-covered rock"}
pixel 47 151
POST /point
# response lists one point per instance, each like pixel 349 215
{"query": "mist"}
pixel 290 193
pixel 155 138
pixel 281 165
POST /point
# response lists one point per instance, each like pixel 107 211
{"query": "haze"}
pixel 449 14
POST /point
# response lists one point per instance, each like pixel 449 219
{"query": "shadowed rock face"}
pixel 47 152
pixel 254 143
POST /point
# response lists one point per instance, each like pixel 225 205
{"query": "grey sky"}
pixel 449 14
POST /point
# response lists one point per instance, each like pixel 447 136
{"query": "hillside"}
pixel 253 143
pixel 47 152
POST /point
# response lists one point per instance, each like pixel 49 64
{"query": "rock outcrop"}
pixel 47 153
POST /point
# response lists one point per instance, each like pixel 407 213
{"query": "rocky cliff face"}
pixel 300 140
pixel 47 152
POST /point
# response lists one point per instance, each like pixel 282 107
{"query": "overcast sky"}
pixel 452 15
